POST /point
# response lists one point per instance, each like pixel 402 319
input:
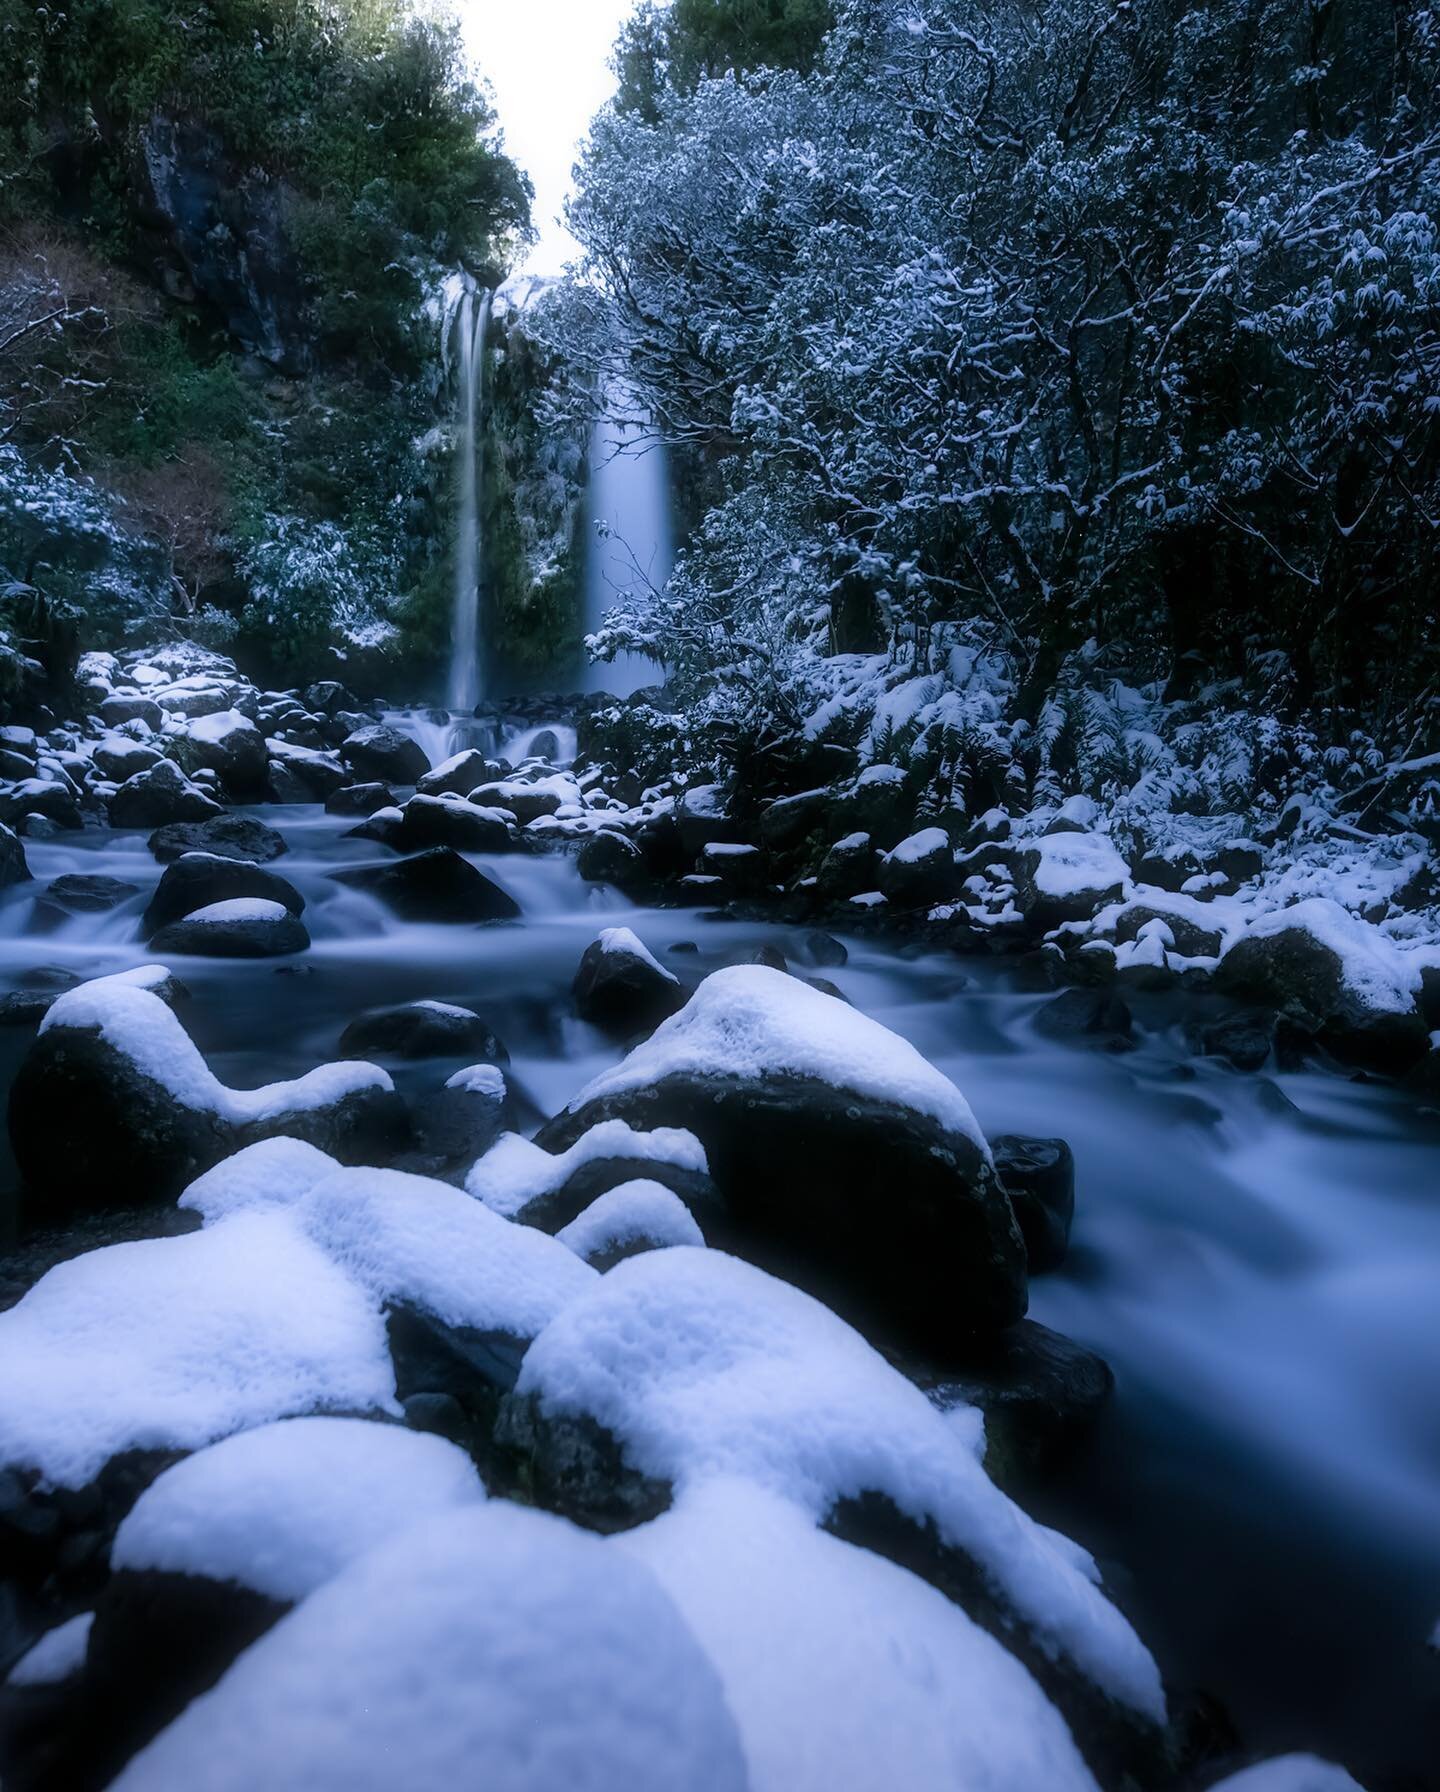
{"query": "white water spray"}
pixel 630 494
pixel 471 326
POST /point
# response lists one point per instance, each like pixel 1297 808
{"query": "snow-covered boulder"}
pixel 458 775
pixel 435 885
pixel 831 1139
pixel 452 821
pixel 1067 877
pixel 40 796
pixel 160 795
pixel 379 753
pixel 847 869
pixel 1335 975
pixel 131 706
pixel 682 1367
pixel 317 773
pixel 920 870
pixel 227 836
pixel 114 1106
pixel 455 1124
pixel 230 745
pixel 197 879
pixel 239 927
pixel 117 758
pixel 495 1646
pixel 622 987
pixel 526 802
pixel 634 1217
pixel 702 815
pixel 1290 1773
pixel 423 1029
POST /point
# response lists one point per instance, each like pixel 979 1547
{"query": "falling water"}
pixel 630 495
pixel 472 323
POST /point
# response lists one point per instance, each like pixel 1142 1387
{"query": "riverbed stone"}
pixel 359 799
pixel 1039 1177
pixel 160 797
pixel 608 857
pixel 620 987
pixel 1086 1017
pixel 227 836
pixel 424 1029
pixel 848 868
pixel 379 753
pixel 456 776
pixel 451 821
pixel 239 927
pixel 197 879
pixel 437 885
pixel 920 871
pixel 79 893
pixel 13 866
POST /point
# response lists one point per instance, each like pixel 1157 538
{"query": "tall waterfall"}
pixel 629 492
pixel 472 322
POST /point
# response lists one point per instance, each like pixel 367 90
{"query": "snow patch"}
pixel 514 1172
pixel 633 1211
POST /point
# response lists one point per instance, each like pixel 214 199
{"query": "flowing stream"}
pixel 1253 1255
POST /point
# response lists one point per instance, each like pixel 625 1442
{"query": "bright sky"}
pixel 547 62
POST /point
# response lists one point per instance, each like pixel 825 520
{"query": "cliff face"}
pixel 220 234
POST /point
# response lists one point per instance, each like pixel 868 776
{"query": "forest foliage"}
pixel 345 145
pixel 1099 340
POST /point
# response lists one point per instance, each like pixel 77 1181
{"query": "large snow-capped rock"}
pixel 1335 974
pixel 435 885
pixel 622 986
pixel 495 1647
pixel 452 821
pixel 239 927
pixel 519 1179
pixel 114 1105
pixel 197 879
pixel 230 745
pixel 159 796
pixel 832 1141
pixel 684 1366
pixel 382 753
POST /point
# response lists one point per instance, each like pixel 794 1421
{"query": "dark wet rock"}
pixel 788 822
pixel 458 776
pixel 819 948
pixel 242 927
pixel 1039 1177
pixel 545 746
pixel 383 827
pixel 768 954
pixel 359 799
pixel 701 816
pixel 743 870
pixel 329 697
pixel 380 754
pixel 117 709
pixel 119 759
pixel 598 1175
pixel 620 987
pixel 79 893
pixel 1041 1394
pixel 37 1253
pixel 574 1466
pixel 877 804
pixel 848 869
pixel 315 774
pixel 456 1124
pixel 1170 869
pixel 881 1206
pixel 227 836
pixel 920 871
pixel 608 857
pixel 198 879
pixel 13 867
pixel 477 1369
pixel 422 1030
pixel 437 885
pixel 450 821
pixel 1243 1040
pixel 161 797
pixel 1085 1017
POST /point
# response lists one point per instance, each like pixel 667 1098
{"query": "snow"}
pixel 238 908
pixel 497 1647
pixel 1374 972
pixel 703 1366
pixel 406 1238
pixel 272 1173
pixel 1071 864
pixel 172 1343
pixel 1290 1773
pixel 448 1008
pixel 634 1211
pixel 514 1172
pixel 752 1021
pixel 59 1654
pixel 285 1508
pixel 880 776
pixel 730 849
pixel 138 1024
pixel 920 846
pixel 478 1079
pixel 842 1669
pixel 218 728
pixel 624 943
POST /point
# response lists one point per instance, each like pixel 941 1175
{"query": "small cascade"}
pixel 630 494
pixel 471 325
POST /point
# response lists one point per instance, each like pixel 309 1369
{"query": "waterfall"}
pixel 471 325
pixel 630 493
